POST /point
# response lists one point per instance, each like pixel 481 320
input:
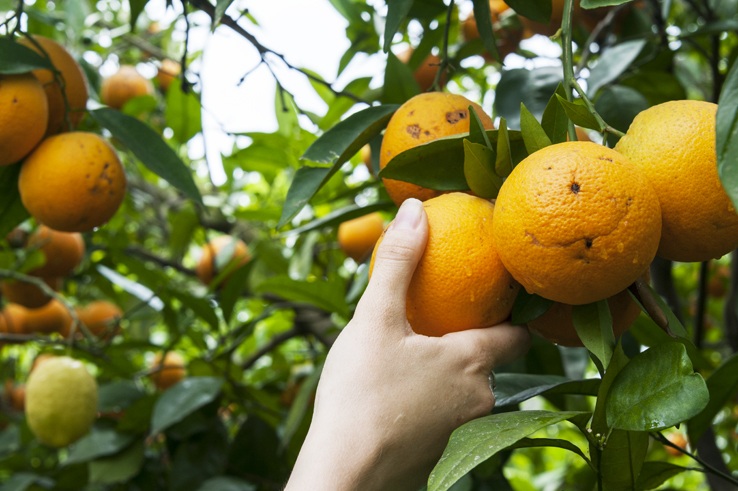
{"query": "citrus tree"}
pixel 164 329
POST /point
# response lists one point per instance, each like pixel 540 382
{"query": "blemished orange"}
pixel 673 144
pixel 576 223
pixel 123 86
pixel 101 317
pixel 52 317
pixel 424 118
pixel 63 251
pixel 167 73
pixel 28 294
pixel 75 85
pixel 167 371
pixel 460 282
pixel 220 254
pixel 72 182
pixel 508 38
pixel 357 237
pixel 24 113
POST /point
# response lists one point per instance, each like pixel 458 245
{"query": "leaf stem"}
pixel 707 467
pixel 444 52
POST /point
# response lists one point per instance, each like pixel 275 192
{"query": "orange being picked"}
pixel 123 86
pixel 576 223
pixel 28 294
pixel 424 118
pixel 357 237
pixel 24 113
pixel 223 253
pixel 72 182
pixel 167 370
pixel 102 318
pixel 63 251
pixel 74 86
pixel 460 282
pixel 673 144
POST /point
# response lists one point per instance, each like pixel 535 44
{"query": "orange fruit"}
pixel 673 144
pixel 13 319
pixel 123 86
pixel 52 317
pixel 508 38
pixel 366 157
pixel 24 114
pixel 221 254
pixel 167 371
pixel 460 282
pixel 168 73
pixel 102 318
pixel 423 118
pixel 28 294
pixel 576 223
pixel 357 237
pixel 426 72
pixel 63 251
pixel 72 182
pixel 678 439
pixel 40 360
pixel 75 85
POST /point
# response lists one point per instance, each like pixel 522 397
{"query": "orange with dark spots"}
pixel 424 118
pixel 72 182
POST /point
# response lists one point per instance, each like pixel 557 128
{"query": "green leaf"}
pixel 183 399
pixel 593 323
pixel 593 4
pixel 220 9
pixel 118 468
pixel 674 393
pixel 553 443
pixel 727 135
pixel 149 148
pixel 621 459
pixel 537 10
pixel 479 170
pixel 183 113
pixel 301 405
pixel 16 58
pixel 514 388
pixel 98 443
pixel 619 105
pixel 12 211
pixel 478 440
pixel 21 481
pixel 612 63
pixel 578 113
pixel 722 385
pixel 341 215
pixel 654 474
pixel 534 136
pixel 397 11
pixel 255 450
pixel 529 306
pixel 135 7
pixel 326 294
pixel 117 395
pixel 532 87
pixel 226 483
pixel 477 131
pixel 483 16
pixel 504 161
pixel 617 362
pixel 399 82
pixel 554 120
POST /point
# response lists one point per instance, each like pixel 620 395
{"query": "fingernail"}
pixel 409 215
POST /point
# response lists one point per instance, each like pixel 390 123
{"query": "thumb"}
pixel 396 258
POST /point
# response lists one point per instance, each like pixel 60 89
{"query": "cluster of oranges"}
pixel 574 222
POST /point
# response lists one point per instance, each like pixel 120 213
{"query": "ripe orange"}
pixel 24 114
pixel 28 294
pixel 72 182
pixel 426 72
pixel 75 85
pixel 102 318
pixel 678 439
pixel 357 237
pixel 13 319
pixel 168 372
pixel 424 118
pixel 673 144
pixel 460 282
pixel 123 86
pixel 557 324
pixel 508 38
pixel 168 73
pixel 63 251
pixel 52 317
pixel 220 254
pixel 576 223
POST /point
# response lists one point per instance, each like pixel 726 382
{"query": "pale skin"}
pixel 388 399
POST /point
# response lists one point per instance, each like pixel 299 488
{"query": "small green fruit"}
pixel 61 401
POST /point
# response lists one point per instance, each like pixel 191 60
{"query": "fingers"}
pixel 395 261
pixel 492 346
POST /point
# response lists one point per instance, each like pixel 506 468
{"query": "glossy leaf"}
pixel 722 385
pixel 12 211
pixel 593 323
pixel 727 135
pixel 181 400
pixel 617 362
pixel 619 105
pixel 554 121
pixel 98 443
pixel 504 160
pixel 514 388
pixel 537 10
pixel 478 440
pixel 399 82
pixel 396 13
pixel 326 295
pixel 477 131
pixel 534 136
pixel 593 4
pixel 118 395
pixel 529 306
pixel 553 443
pixel 305 184
pixel 118 468
pixel 220 8
pixel 621 459
pixel 579 114
pixel 612 63
pixel 183 113
pixel 654 474
pixel 149 148
pixel 479 171
pixel 532 87
pixel 16 58
pixel 341 215
pixel 674 393
pixel 483 16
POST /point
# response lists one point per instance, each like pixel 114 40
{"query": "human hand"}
pixel 388 398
